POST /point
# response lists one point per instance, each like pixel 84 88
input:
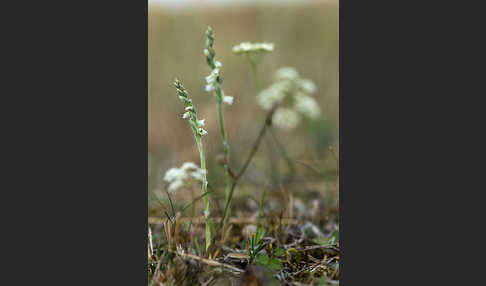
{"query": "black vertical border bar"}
pixel 341 149
pixel 81 147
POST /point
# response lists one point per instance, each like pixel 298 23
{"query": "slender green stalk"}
pixel 196 125
pixel 215 85
pixel 254 68
pixel 204 191
pixel 226 155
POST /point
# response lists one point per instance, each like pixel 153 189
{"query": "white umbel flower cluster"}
pixel 179 177
pixel 247 47
pixel 293 95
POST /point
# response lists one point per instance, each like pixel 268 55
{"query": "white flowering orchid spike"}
pixel 198 132
pixel 214 84
pixel 247 47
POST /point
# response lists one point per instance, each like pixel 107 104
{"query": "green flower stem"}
pixel 204 191
pixel 254 68
pixel 225 149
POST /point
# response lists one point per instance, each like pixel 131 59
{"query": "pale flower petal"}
pixel 307 85
pixel 307 106
pixel 189 166
pixel 228 99
pixel 202 131
pixel 175 185
pixel 286 73
pixel 247 47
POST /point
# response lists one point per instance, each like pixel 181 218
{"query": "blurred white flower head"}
pixel 307 85
pixel 285 118
pixel 286 73
pixel 292 96
pixel 179 177
pixel 247 47
pixel 189 166
pixel 307 106
pixel 269 97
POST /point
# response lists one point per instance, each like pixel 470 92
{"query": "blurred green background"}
pixel 305 37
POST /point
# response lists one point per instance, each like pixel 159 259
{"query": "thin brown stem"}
pixel 254 149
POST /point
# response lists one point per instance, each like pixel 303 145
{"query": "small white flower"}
pixel 202 131
pixel 307 85
pixel 211 80
pixel 198 174
pixel 174 174
pixel 189 108
pixel 200 123
pixel 186 115
pixel 286 73
pixel 270 96
pixel 175 185
pixel 177 177
pixel 247 47
pixel 285 118
pixel 307 106
pixel 228 99
pixel 218 64
pixel 268 47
